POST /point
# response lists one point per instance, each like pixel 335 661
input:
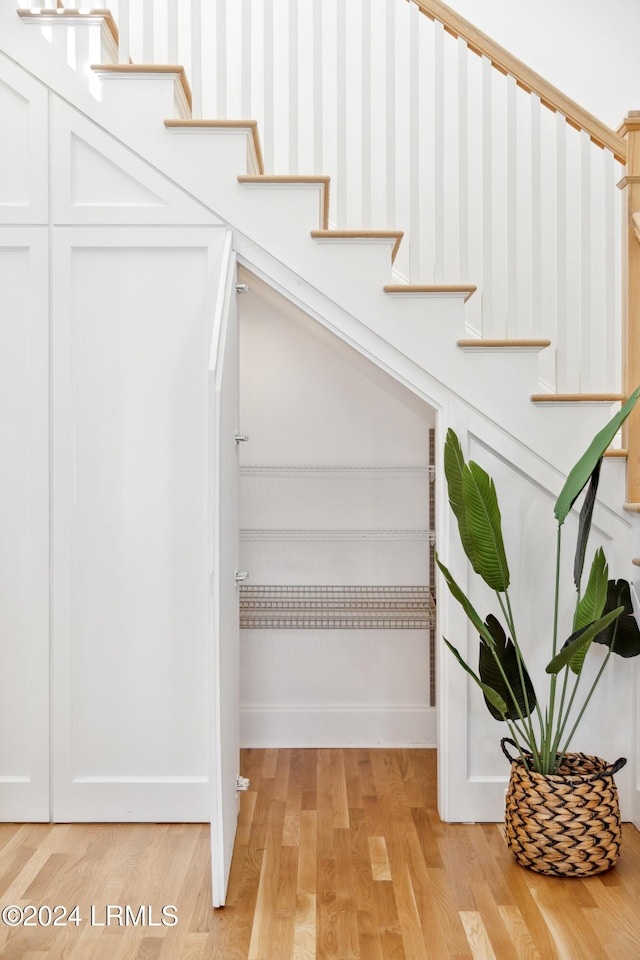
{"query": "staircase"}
pixel 220 162
pixel 488 387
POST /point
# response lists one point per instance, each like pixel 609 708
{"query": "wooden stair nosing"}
pixel 395 235
pixel 551 398
pixel 418 289
pixel 279 179
pixel 61 14
pixel 505 344
pixel 251 126
pixel 148 68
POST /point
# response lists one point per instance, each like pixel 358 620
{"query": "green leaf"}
pixel 484 527
pixel 581 639
pixel 511 690
pixel 592 604
pixel 622 637
pixel 579 475
pixel 468 608
pixel 584 525
pixel 491 695
pixel 453 469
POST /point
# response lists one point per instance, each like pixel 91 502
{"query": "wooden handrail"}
pixel 630 186
pixel 525 77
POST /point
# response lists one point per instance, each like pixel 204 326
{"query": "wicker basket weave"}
pixel 567 824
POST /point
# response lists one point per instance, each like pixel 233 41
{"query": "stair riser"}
pixel 79 42
pixel 160 95
pixel 220 153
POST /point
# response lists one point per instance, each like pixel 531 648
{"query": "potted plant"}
pixel 562 814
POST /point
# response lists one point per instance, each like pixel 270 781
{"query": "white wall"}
pixel 334 490
pixel 585 48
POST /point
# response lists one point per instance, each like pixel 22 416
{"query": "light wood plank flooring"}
pixel 340 855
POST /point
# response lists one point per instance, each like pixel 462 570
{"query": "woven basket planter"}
pixel 566 824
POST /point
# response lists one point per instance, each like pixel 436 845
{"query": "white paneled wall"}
pixel 130 644
pixel 24 441
pixel 418 133
pixel 334 485
pixel 24 525
pixel 104 350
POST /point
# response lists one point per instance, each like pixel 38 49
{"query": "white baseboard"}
pixel 337 726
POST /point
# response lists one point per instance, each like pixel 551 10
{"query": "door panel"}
pixel 24 526
pixel 224 540
pixel 132 326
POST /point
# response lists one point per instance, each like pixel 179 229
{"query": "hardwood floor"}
pixel 340 855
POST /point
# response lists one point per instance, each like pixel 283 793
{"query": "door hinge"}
pixel 240 437
pixel 242 783
pixel 242 288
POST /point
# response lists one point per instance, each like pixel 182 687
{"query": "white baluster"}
pixel 463 164
pixel 208 65
pixel 488 293
pixel 438 153
pixel 588 278
pixel 365 119
pixel 147 32
pixel 512 318
pixel 246 60
pixel 269 117
pixel 417 180
pixel 611 313
pixel 319 104
pixel 318 90
pixel 124 32
pixel 341 185
pixel 294 87
pixel 538 324
pixel 173 31
pixel 563 347
pixel 221 59
pixel 195 65
pixel 390 76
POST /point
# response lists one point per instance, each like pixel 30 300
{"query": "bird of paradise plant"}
pixel 603 612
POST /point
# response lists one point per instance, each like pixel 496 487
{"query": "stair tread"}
pixel 577 397
pixel 506 343
pixel 283 178
pixel 413 289
pixel 396 235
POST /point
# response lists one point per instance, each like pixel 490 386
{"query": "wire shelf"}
pixel 336 607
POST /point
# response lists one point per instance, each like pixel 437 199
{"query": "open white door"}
pixel 224 549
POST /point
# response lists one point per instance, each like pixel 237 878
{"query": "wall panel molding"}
pixel 24 521
pixel 24 169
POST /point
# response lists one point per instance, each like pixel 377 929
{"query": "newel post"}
pixel 630 186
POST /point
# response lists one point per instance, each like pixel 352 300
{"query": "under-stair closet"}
pixel 337 614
